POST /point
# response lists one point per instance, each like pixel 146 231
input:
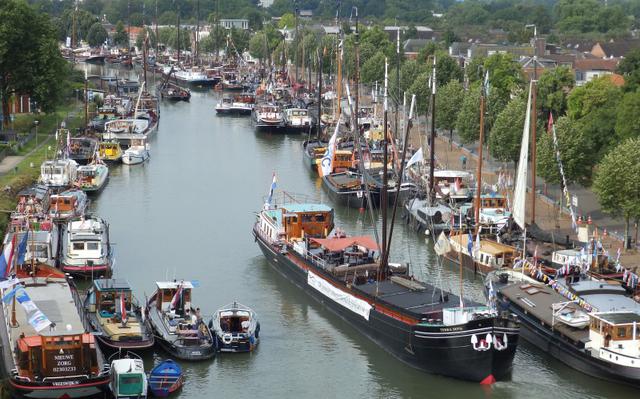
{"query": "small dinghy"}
pixel 237 328
pixel 165 379
pixel 128 379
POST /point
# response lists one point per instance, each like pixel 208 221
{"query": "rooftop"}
pixel 115 284
pixel 619 317
pixel 166 285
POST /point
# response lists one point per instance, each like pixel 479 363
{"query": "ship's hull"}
pixel 439 350
pixel 91 387
pixel 351 198
pixel 551 343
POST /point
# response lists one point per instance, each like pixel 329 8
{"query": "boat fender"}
pixel 227 338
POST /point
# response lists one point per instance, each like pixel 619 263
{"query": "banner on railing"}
pixel 356 305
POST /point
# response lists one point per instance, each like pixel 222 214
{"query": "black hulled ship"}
pixel 416 322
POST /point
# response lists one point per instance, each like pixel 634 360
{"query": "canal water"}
pixel 188 214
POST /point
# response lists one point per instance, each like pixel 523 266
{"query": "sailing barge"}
pixel 58 359
pixel 416 322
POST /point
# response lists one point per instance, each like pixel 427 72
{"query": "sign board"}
pixel 574 201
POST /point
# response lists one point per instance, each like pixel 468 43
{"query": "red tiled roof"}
pixel 596 64
pixel 338 244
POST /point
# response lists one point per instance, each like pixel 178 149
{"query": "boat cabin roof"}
pixel 53 297
pixel 172 285
pixel 492 248
pixel 450 174
pixel 111 284
pixel 38 191
pixel 618 318
pixel 289 209
pixel 127 366
pixel 336 244
pixel 85 226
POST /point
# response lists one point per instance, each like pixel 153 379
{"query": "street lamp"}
pixel 36 122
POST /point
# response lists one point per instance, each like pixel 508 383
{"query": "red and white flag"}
pixel 176 297
pixel 123 309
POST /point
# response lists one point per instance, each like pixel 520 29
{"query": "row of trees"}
pixel 30 62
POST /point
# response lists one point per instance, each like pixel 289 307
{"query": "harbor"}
pixel 358 210
pixel 157 236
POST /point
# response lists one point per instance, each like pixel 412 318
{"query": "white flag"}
pixel 327 160
pixel 417 157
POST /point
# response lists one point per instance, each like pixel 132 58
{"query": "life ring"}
pixel 227 338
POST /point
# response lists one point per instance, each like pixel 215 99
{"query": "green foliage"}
pixel 169 37
pixel 141 36
pixel 97 35
pixel 288 21
pixel 120 37
pixel 373 69
pixel 421 89
pixel 447 69
pixel 553 88
pixel 30 60
pixel 629 67
pixel 84 22
pixel 617 182
pixel 506 133
pixel 468 121
pixel 449 99
pixel 590 16
pixel 594 107
pixel 628 116
pixel 575 151
pixel 505 74
pixel 168 18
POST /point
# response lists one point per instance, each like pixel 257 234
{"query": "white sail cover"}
pixel 520 192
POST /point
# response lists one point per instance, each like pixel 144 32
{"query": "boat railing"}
pixel 66 377
pixel 284 197
pixel 314 259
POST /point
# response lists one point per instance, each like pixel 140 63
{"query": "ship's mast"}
pixel 432 136
pixel 476 210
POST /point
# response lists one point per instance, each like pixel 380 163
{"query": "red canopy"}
pixel 339 244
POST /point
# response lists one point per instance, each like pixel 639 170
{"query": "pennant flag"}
pixel 417 157
pixel 470 244
pixel 9 295
pixel 21 295
pixel 271 189
pixel 442 245
pixel 486 84
pixel 29 306
pixel 39 321
pixel 550 125
pixel 6 257
pixel 8 283
pixel 22 247
pixel 326 163
pixel 123 309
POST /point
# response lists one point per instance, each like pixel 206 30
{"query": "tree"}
pixel 628 116
pixel 447 69
pixel 575 149
pixel 30 61
pixel 553 88
pixel 143 34
pixel 421 89
pixel 97 35
pixel 121 38
pixel 468 121
pixel 373 69
pixel 448 101
pixel 257 46
pixel 506 133
pixel 617 183
pixel 594 107
pixel 629 67
pixel 505 75
pixel 288 21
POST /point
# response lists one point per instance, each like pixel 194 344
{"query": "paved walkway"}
pixel 549 216
pixel 10 162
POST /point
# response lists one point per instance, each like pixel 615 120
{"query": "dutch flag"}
pixel 6 258
pixel 272 188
